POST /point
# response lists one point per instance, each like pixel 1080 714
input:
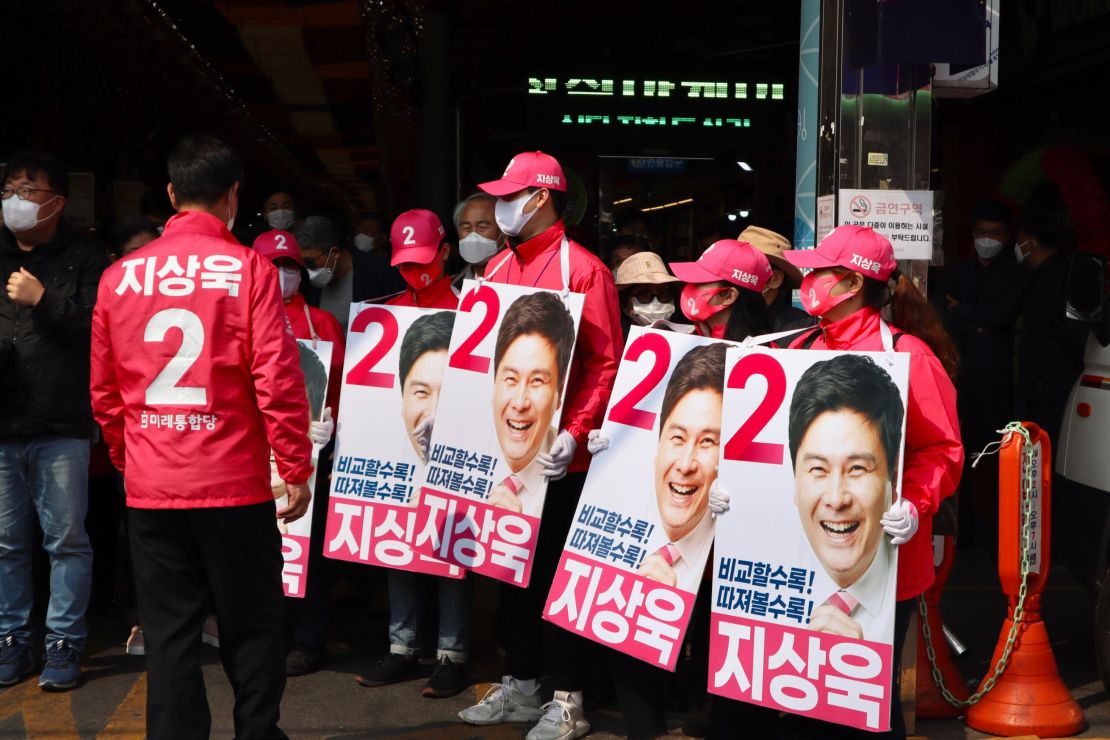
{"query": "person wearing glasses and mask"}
pixel 648 293
pixel 51 273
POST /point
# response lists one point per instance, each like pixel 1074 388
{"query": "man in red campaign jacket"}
pixel 530 196
pixel 420 254
pixel 195 377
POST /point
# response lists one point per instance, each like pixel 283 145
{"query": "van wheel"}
pixel 1102 630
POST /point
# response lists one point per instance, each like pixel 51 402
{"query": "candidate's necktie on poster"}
pixel 669 553
pixel 843 601
pixel 514 484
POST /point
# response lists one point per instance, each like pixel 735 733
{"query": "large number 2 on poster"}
pixel 624 411
pixel 742 446
pixel 464 358
pixel 363 373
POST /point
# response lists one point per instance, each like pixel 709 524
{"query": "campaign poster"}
pixel 636 551
pixel 483 490
pixel 803 575
pixel 315 360
pixel 391 383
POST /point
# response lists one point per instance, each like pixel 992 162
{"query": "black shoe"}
pixel 302 660
pixel 390 669
pixel 448 679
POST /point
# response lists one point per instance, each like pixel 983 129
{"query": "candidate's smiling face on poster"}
pixel 421 391
pixel 525 398
pixel 686 461
pixel 840 484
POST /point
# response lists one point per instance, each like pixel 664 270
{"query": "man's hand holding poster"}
pixel 391 381
pixel 315 360
pixel 637 548
pixel 803 573
pixel 503 388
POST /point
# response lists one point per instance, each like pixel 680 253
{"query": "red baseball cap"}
pixel 857 248
pixel 735 262
pixel 275 244
pixel 416 236
pixel 528 170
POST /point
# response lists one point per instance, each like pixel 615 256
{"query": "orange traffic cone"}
pixel 930 703
pixel 1029 698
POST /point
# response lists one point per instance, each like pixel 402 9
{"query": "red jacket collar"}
pixel 297 302
pixel 850 330
pixel 540 243
pixel 198 222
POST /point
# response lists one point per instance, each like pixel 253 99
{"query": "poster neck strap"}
pixel 775 336
pixel 886 336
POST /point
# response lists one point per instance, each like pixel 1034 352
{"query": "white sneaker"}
pixel 136 645
pixel 562 720
pixel 210 635
pixel 503 703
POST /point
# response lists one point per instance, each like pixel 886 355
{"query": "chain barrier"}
pixel 1014 427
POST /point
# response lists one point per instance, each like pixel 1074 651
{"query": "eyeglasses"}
pixel 644 294
pixel 23 193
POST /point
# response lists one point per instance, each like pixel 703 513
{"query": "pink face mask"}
pixel 816 293
pixel 695 302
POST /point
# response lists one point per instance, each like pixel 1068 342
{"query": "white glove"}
pixel 553 463
pixel 423 436
pixel 718 500
pixel 595 443
pixel 320 431
pixel 900 521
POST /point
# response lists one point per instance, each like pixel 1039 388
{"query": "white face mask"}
pixel 1018 254
pixel 646 314
pixel 477 249
pixel 23 215
pixel 510 215
pixel 290 280
pixel 363 242
pixel 321 276
pixel 987 248
pixel 280 219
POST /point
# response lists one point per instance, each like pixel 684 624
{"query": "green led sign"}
pixel 668 108
pixel 682 89
pixel 605 120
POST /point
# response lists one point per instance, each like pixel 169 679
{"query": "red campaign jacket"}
pixel 590 382
pixel 195 373
pixel 328 330
pixel 437 295
pixel 934 454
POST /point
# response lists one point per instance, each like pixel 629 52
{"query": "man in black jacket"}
pixel 981 299
pixel 46 427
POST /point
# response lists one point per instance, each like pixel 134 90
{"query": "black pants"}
pixel 534 647
pixel 313 613
pixel 181 557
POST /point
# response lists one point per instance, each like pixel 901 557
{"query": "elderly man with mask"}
pixel 479 236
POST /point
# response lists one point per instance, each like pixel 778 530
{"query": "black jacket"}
pixel 988 300
pixel 44 351
pixel 1050 348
